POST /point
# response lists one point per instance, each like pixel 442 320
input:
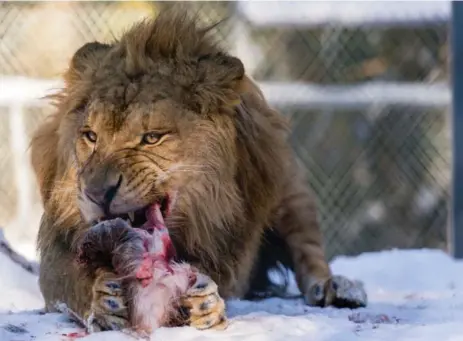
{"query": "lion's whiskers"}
pixel 64 190
pixel 180 168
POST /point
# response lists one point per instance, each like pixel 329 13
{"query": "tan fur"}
pixel 225 156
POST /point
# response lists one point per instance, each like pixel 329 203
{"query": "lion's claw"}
pixel 214 320
pixel 108 309
pixel 202 305
pixel 338 291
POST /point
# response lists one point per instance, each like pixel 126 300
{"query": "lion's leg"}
pixel 203 306
pixel 108 306
pixel 96 300
pixel 298 226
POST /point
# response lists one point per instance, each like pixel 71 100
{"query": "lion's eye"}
pixel 90 136
pixel 152 138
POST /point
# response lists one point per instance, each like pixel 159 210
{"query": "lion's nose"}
pixel 103 193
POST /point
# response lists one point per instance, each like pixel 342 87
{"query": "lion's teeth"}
pixel 131 216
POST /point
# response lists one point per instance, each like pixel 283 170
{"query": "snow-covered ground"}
pixel 414 295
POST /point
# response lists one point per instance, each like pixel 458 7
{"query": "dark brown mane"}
pixel 174 48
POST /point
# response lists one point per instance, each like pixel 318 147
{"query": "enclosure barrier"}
pixel 17 93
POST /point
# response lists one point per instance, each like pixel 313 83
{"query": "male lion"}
pixel 163 115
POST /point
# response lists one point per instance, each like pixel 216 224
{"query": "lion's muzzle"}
pixel 106 193
pixel 103 195
pixel 99 186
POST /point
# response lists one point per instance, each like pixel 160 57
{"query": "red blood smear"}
pixel 192 279
pixel 155 221
pixel 75 335
pixel 145 272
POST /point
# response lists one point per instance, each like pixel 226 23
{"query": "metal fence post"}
pixel 456 45
pixel 18 138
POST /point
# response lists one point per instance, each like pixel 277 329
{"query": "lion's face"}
pixel 145 153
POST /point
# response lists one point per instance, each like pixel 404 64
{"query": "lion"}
pixel 165 115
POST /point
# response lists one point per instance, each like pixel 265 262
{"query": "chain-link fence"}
pixel 366 90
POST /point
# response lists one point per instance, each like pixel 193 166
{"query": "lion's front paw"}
pixel 108 308
pixel 338 291
pixel 202 305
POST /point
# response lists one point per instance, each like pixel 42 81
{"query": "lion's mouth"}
pixel 145 217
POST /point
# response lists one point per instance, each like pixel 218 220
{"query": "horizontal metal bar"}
pixel 25 91
pixel 305 95
pixel 345 13
pixel 293 94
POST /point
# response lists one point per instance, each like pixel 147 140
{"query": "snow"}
pixel 413 295
pixel 18 288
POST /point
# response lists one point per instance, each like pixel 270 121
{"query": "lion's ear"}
pixel 221 70
pixel 219 80
pixel 86 59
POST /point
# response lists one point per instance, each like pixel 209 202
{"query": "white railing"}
pixel 311 96
pixel 19 91
pixel 16 94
